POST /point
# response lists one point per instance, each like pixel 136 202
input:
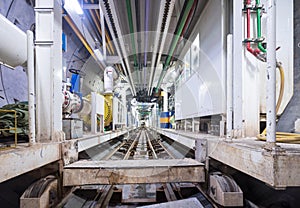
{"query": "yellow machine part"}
pixel 108 110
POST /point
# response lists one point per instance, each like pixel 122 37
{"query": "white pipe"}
pixel 229 88
pixel 271 71
pixel 31 90
pixel 13 48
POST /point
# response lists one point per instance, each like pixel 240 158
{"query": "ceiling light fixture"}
pixel 74 4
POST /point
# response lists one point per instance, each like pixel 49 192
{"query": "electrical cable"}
pixel 281 136
pixel 8 10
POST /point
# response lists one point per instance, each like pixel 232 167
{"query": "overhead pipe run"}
pixel 255 52
pixel 168 10
pixel 188 6
pixel 130 21
pixel 139 40
pixel 110 15
pixel 13 47
pixel 260 51
pixel 259 37
pixel 147 6
pixel 156 42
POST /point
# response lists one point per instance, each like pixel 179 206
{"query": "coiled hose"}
pixel 281 136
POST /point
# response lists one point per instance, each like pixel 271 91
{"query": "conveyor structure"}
pixel 149 103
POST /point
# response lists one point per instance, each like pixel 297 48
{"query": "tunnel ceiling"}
pixel 148 35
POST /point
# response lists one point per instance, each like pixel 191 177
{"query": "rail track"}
pixel 139 144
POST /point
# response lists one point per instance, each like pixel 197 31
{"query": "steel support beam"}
pixel 271 72
pixel 133 171
pixel 48 69
pixel 237 68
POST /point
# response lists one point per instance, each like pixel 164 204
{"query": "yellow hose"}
pixel 281 136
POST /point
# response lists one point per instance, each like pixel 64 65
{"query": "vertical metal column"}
pixel 229 87
pixel 237 68
pixel 48 70
pixel 271 71
pixel 31 88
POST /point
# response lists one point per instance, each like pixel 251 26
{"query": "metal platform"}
pixel 279 168
pixel 25 158
pixel 133 171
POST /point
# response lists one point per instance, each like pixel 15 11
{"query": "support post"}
pixel 48 70
pixel 229 88
pixel 31 88
pixel 237 68
pixel 271 71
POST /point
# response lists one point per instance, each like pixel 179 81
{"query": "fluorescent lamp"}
pixel 74 4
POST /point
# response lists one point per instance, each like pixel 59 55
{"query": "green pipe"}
pixel 129 14
pixel 175 41
pixel 259 45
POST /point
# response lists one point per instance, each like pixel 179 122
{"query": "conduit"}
pixel 187 23
pixel 281 136
pixel 129 14
pixel 146 38
pixel 164 19
pixel 187 8
pixel 255 52
pixel 259 37
pixel 119 43
pixel 138 30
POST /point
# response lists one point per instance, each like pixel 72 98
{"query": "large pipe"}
pixel 271 72
pixel 31 90
pixel 13 44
